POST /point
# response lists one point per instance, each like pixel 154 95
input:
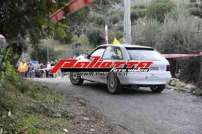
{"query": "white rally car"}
pixel 156 78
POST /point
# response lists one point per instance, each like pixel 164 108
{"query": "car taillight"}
pixel 168 68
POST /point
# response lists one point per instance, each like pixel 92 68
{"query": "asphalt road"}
pixel 140 111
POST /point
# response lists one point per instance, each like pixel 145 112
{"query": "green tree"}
pixel 196 7
pixel 95 38
pixel 137 12
pixel 20 19
pixel 159 8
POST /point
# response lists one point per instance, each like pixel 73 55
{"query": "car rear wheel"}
pixel 157 88
pixel 113 84
pixel 76 79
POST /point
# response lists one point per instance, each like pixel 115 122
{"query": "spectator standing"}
pixel 22 68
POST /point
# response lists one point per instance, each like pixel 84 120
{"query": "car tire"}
pixel 157 88
pixel 113 84
pixel 76 79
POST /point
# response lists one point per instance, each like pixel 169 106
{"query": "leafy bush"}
pixel 20 112
pixel 195 8
pixel 116 18
pixel 8 72
pixel 138 12
pixel 159 8
pixel 95 38
pixel 180 35
pixel 60 32
pixel 40 53
pixel 98 18
pixel 190 70
pixel 83 40
pixel 146 32
pixel 114 34
pixel 7 125
pixel 28 125
pixel 8 75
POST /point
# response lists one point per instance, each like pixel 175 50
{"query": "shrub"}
pixel 83 40
pixel 9 74
pixel 95 38
pixel 146 32
pixel 180 35
pixel 195 8
pixel 98 18
pixel 159 8
pixel 40 53
pixel 190 70
pixel 138 12
pixel 7 125
pixel 28 125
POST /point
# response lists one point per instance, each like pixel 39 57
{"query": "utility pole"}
pixel 106 34
pixel 127 22
pixel 47 52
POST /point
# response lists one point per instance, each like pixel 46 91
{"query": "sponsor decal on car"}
pixel 99 65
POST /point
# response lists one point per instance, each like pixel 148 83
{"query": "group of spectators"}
pixel 34 70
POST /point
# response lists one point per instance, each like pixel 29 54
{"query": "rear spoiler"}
pixel 138 48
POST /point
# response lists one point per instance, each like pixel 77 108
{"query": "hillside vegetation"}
pixel 167 25
pixel 170 26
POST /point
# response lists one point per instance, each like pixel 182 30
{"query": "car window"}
pixel 108 54
pixel 113 53
pixel 99 52
pixel 144 54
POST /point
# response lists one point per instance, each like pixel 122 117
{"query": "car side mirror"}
pixel 88 56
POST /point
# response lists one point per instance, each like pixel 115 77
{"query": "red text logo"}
pixel 98 65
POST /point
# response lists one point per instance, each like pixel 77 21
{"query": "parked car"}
pixel 156 78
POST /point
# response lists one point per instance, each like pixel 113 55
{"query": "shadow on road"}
pixel 125 91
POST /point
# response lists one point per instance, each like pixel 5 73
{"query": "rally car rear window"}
pixel 144 54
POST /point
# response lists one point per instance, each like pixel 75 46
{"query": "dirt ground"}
pixel 137 111
pixel 87 120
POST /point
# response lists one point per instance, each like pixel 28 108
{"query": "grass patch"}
pixel 32 109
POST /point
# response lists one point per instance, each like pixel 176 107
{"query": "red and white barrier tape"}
pixel 173 56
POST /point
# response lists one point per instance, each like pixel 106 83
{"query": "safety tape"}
pixel 173 56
